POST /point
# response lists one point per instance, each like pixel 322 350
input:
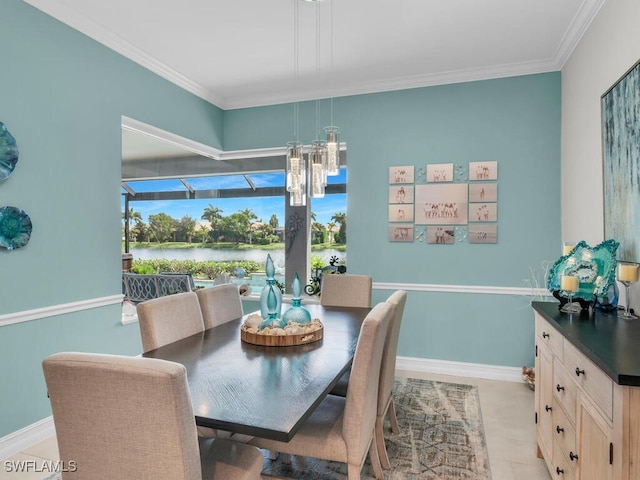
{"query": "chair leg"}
pixel 382 449
pixel 395 428
pixel 375 460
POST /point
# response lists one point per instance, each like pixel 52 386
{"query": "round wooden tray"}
pixel 281 340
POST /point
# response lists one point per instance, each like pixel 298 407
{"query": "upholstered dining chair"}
pixel 131 418
pixel 342 429
pixel 387 375
pixel 346 290
pixel 219 304
pixel 168 319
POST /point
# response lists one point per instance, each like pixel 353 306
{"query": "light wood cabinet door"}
pixel 594 438
pixel 544 385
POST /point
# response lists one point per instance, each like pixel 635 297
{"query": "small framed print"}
pixel 483 171
pixel 401 194
pixel 401 232
pixel 444 235
pixel 401 213
pixel 483 233
pixel 402 174
pixel 483 212
pixel 440 172
pixel 483 192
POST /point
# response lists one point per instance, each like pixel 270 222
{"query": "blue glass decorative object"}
pixel 271 298
pixel 15 228
pixel 595 268
pixel 296 313
pixel 8 152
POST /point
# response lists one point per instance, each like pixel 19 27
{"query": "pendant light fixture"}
pixel 318 153
pixel 296 179
pixel 332 132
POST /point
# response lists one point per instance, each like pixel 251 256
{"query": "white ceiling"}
pixel 240 53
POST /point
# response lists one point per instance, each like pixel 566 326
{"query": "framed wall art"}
pixel 483 171
pixel 400 213
pixel 401 194
pixel 402 174
pixel 401 232
pixel 441 235
pixel 483 233
pixel 621 163
pixel 441 204
pixel 483 192
pixel 440 172
pixel 483 212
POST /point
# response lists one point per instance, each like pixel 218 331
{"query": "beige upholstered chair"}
pixel 387 375
pixel 342 429
pixel 346 290
pixel 131 418
pixel 168 319
pixel 219 304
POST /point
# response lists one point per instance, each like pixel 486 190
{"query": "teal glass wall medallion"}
pixel 8 152
pixel 15 228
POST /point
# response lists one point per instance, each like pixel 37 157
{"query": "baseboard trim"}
pixel 26 437
pixel 30 435
pixel 459 369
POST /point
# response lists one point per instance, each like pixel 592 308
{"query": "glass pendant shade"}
pixel 333 150
pixel 296 175
pixel 318 166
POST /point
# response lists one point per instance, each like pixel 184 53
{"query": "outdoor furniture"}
pixel 140 287
pixel 131 418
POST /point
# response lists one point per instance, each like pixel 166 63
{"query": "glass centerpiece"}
pixel 271 298
pixel 296 313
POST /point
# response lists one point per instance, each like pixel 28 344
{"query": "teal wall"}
pixel 62 96
pixel 515 121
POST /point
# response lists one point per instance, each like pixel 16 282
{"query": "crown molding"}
pixel 579 25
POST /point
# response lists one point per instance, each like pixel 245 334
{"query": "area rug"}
pixel 442 438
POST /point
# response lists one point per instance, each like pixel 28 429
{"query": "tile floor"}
pixel 507 412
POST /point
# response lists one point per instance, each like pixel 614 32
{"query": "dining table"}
pixel 264 391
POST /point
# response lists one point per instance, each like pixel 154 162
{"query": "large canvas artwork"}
pixel 621 163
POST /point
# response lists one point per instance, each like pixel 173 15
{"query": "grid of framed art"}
pixel 443 203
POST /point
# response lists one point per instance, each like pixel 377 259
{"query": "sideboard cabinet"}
pixel 587 396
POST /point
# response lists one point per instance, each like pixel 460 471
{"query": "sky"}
pixel 263 207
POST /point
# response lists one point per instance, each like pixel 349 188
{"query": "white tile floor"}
pixel 507 412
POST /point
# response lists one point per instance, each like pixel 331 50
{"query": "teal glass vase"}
pixel 296 313
pixel 271 298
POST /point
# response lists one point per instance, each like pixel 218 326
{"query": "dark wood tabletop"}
pixel 264 391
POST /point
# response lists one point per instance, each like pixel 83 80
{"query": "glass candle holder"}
pixel 627 275
pixel 569 285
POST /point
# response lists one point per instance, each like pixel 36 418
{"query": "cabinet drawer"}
pixel 564 434
pixel 549 336
pixel 593 381
pixel 562 467
pixel 564 389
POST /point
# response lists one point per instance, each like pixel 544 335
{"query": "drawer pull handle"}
pixel 545 335
pixel 573 456
pixel 548 408
pixel 559 471
pixel 559 387
pixel 559 429
pixel 578 371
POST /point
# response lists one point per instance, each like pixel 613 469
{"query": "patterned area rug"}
pixel 441 438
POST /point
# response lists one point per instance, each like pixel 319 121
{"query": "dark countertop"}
pixel 607 339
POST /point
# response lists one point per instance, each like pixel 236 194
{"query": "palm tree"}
pixel 213 216
pixel 341 218
pixel 330 227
